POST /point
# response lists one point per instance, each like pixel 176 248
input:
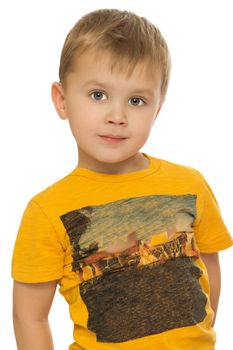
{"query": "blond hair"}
pixel 129 39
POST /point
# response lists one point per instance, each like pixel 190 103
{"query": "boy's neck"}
pixel 135 163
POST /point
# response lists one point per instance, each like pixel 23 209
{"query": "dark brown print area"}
pixel 76 223
pixel 138 302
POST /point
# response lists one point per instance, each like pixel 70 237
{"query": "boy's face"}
pixel 110 115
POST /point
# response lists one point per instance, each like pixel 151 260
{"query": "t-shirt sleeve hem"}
pixel 27 277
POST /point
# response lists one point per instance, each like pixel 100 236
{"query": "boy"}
pixel 132 240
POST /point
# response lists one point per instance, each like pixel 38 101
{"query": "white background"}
pixel 37 148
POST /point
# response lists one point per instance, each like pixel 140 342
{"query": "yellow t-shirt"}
pixel 126 251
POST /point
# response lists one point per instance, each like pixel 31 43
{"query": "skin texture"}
pixel 112 105
pixel 31 305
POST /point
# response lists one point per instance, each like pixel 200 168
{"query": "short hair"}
pixel 129 39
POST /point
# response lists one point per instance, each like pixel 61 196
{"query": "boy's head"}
pixel 129 39
pixel 109 58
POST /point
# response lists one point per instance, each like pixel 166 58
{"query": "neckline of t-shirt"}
pixel 154 164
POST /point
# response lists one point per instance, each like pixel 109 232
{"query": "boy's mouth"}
pixel 112 138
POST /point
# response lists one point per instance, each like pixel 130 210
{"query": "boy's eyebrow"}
pixel 138 91
pixel 94 82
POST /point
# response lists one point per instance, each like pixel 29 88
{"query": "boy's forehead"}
pixel 96 65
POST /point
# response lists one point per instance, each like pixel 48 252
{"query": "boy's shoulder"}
pixel 173 169
pixel 56 189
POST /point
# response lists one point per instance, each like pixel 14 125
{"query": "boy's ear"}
pixel 58 97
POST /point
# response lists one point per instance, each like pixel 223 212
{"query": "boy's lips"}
pixel 113 136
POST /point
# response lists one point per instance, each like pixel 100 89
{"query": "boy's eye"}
pixel 98 95
pixel 136 101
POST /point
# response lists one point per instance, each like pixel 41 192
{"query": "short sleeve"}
pixel 211 232
pixel 38 255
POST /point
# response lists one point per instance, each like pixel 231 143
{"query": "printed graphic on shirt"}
pixel 135 262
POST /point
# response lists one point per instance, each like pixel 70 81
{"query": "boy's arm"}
pixel 31 305
pixel 211 260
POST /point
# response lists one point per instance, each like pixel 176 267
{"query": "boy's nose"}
pixel 116 115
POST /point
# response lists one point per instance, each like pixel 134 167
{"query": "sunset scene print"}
pixel 107 230
pixel 136 257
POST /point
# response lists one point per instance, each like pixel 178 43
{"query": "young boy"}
pixel 132 240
